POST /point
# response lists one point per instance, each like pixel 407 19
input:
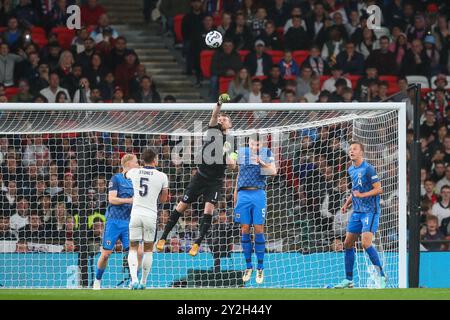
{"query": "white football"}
pixel 213 39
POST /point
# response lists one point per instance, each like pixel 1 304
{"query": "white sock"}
pixel 147 261
pixel 133 265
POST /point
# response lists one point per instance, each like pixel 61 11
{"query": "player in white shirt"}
pixel 149 185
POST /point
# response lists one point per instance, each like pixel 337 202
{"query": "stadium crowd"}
pixel 54 187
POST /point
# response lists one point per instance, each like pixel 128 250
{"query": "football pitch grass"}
pixel 227 294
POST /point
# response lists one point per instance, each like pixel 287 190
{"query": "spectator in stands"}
pixel 147 92
pixel 433 55
pixel 337 95
pixel 254 96
pixel 34 232
pixel 304 81
pixel 431 232
pixel 24 94
pixel 226 23
pixel 6 233
pixel 22 246
pixel 368 44
pixel 52 55
pixel 240 86
pixel 53 88
pixel 20 218
pixel 103 32
pixel 399 48
pixel 258 22
pixel 373 91
pixel 441 83
pixel 174 245
pixel 362 86
pixel 291 85
pixel 12 33
pixel 225 63
pixel 288 96
pixel 248 8
pixel 35 151
pixel 8 62
pixel 416 61
pixel 91 12
pixel 65 64
pixel 295 12
pixel 84 83
pixel 441 209
pixel 296 37
pixel 258 62
pixel 9 198
pixel 428 129
pixel 383 90
pixel 270 36
pixel 313 95
pixel 77 45
pixel 445 180
pixel 43 79
pixel 336 73
pixel 288 66
pixel 274 84
pixel 135 82
pixel 318 65
pixel 58 15
pixel 240 34
pixel 126 71
pixel 382 59
pixel 351 61
pixel 56 228
pixel 169 9
pixel 61 97
pixel 118 95
pixel 107 86
pixel 96 71
pixel 84 58
pixel 333 47
pixel 191 27
pixel 279 12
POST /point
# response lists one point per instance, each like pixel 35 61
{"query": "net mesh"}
pixel 56 166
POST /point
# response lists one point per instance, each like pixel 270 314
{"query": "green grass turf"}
pixel 226 294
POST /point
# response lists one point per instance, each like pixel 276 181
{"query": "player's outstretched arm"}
pixel 268 169
pixel 223 98
pixel 114 200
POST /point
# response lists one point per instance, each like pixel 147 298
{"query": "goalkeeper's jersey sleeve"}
pixel 250 172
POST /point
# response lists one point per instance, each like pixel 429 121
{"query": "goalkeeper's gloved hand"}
pixel 223 98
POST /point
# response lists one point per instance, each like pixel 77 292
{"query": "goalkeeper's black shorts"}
pixel 199 185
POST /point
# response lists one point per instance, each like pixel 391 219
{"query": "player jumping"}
pixel 149 184
pixel 255 164
pixel 208 180
pixel 365 198
pixel 120 198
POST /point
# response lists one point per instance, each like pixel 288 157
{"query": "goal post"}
pixel 57 160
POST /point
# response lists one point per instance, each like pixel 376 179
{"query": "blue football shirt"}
pixel 124 188
pixel 363 177
pixel 250 171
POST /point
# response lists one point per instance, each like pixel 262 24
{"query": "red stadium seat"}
pixel 290 77
pixel 177 27
pixel 224 83
pixel 40 40
pixel 11 91
pixel 392 83
pixel 299 56
pixel 65 36
pixel 353 79
pixel 205 62
pixel 243 54
pixel 389 79
pixel 90 28
pixel 3 29
pixel 392 89
pixel 262 78
pixel 276 55
pixel 38 30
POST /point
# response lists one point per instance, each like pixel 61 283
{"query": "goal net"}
pixel 57 161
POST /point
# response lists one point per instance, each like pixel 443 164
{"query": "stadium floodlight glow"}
pixel 303 218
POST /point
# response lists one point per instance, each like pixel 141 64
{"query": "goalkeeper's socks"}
pixel 147 261
pixel 373 256
pixel 173 219
pixel 99 274
pixel 260 249
pixel 349 263
pixel 204 227
pixel 133 265
pixel 247 248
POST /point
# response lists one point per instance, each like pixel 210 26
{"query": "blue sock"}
pixel 260 249
pixel 247 248
pixel 373 255
pixel 349 263
pixel 99 274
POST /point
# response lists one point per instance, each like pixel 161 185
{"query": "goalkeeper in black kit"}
pixel 208 181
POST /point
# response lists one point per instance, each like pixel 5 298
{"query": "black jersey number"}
pixel 144 187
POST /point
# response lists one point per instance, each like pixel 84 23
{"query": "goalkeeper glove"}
pixel 223 98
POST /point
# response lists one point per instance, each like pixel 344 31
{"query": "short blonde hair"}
pixel 126 158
